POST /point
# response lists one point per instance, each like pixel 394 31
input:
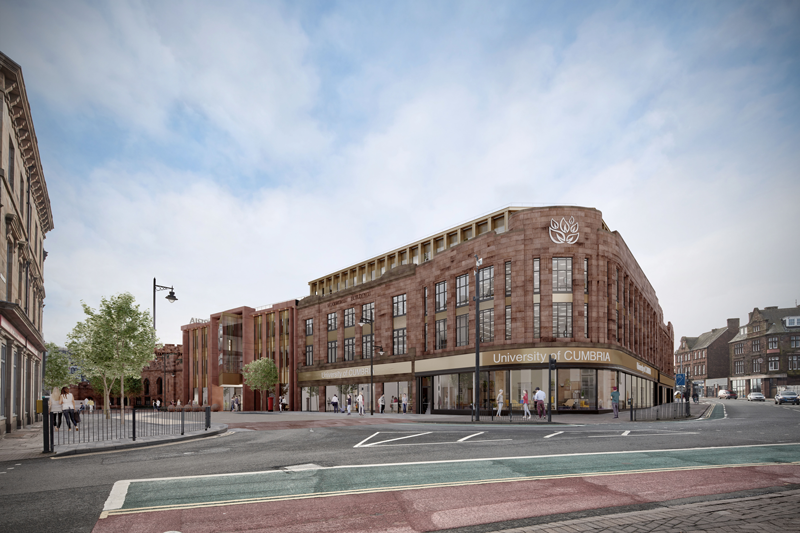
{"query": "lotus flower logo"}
pixel 564 231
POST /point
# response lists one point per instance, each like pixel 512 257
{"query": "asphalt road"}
pixel 69 494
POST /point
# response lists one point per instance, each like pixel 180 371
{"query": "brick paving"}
pixel 778 511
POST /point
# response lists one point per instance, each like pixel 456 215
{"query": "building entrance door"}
pixel 425 395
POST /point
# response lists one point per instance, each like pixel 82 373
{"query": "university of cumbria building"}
pixel 540 282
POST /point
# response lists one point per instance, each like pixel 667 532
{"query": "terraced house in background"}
pixel 765 354
pixel 551 281
pixel 705 360
pixel 26 218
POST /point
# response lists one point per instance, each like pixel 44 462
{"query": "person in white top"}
pixel 500 402
pixel 55 407
pixel 68 407
pixel 360 401
pixel 335 403
pixel 539 398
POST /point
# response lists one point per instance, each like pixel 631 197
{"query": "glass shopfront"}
pixel 574 389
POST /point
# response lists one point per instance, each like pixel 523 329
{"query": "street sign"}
pixel 680 380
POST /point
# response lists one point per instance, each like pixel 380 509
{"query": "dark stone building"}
pixel 705 359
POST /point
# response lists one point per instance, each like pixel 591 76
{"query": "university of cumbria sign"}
pixel 565 231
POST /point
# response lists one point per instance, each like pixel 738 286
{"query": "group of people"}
pixel 539 398
pixel 236 403
pixel 62 405
pixel 360 403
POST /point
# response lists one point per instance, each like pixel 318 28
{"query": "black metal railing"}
pixel 667 411
pixel 512 412
pixel 123 424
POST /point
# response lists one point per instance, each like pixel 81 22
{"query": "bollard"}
pixel 47 429
pixel 182 419
pixel 208 417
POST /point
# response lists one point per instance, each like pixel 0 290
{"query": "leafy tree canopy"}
pixel 57 368
pixel 261 374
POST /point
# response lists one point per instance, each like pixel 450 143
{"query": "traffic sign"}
pixel 680 380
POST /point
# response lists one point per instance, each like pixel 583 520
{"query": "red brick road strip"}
pixel 459 506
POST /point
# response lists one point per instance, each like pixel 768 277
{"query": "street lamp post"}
pixel 363 322
pixel 171 298
pixel 477 393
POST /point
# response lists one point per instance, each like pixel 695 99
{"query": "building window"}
pixel 486 324
pixel 756 328
pixel 586 277
pixel 425 300
pixel 366 346
pixel 508 322
pixel 441 334
pixel 616 313
pixel 586 320
pixel 773 343
pixel 562 319
pixel 536 329
pixel 616 288
pixel 425 338
pixel 399 341
pixel 331 321
pixel 774 364
pixel 462 290
pixel 332 347
pixel 738 348
pixel 399 305
pixel 756 345
pixel 508 278
pixel 462 330
pixel 756 366
pixel 440 295
pixel 309 355
pixel 536 277
pixel 486 283
pixel 794 362
pixel 738 367
pixel 350 349
pixel 562 274
pixel 368 311
pixel 795 341
pixel 3 380
pixel 350 317
pixel 309 327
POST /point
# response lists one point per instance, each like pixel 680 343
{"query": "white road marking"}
pixel 116 499
pixel 121 487
pixel 435 443
pixel 641 435
pixel 365 440
pixel 470 436
pixel 553 434
pixel 392 440
pixel 626 433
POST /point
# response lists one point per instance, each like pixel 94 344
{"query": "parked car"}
pixel 725 394
pixel 755 397
pixel 787 396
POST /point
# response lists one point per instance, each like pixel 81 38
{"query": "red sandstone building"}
pixel 553 281
pixel 705 359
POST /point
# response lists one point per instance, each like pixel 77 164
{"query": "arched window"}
pixel 147 387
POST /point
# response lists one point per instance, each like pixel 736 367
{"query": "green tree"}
pixel 114 341
pixel 260 375
pixel 57 368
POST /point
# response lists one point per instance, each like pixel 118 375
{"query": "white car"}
pixel 756 397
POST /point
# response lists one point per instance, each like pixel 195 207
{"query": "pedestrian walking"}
pixel 360 402
pixel 615 401
pixel 539 397
pixel 405 403
pixel 500 402
pixel 349 403
pixel 68 407
pixel 335 403
pixel 55 407
pixel 382 403
pixel 526 413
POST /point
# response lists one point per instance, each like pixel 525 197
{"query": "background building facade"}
pixel 26 218
pixel 705 359
pixel 765 354
pixel 553 280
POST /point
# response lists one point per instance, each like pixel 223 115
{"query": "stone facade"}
pixel 26 218
pixel 765 354
pixel 623 310
pixel 706 358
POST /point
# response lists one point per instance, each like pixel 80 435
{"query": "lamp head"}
pixel 171 296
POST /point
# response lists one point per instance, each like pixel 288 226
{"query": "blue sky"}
pixel 237 150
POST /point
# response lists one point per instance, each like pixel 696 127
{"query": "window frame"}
pixel 486 283
pixel 440 297
pixel 562 286
pixel 333 348
pixel 350 317
pixel 333 321
pixel 440 334
pixel 399 341
pixel 462 290
pixel 399 305
pixel 462 330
